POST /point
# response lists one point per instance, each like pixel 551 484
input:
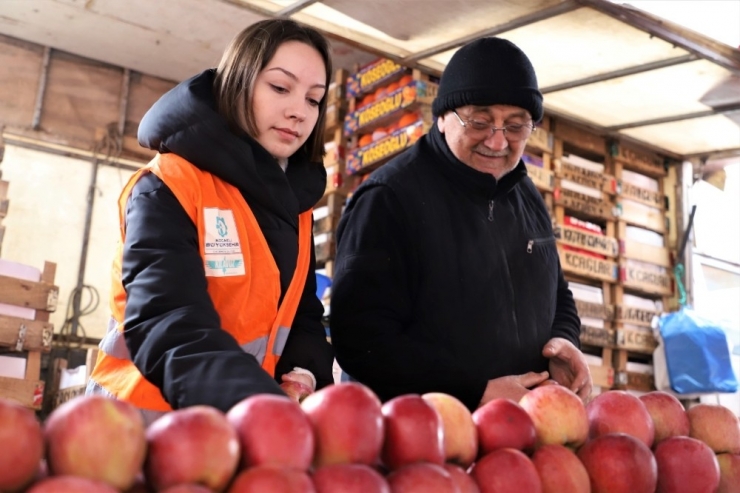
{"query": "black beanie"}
pixel 489 71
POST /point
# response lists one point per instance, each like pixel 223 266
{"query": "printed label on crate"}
pixel 588 266
pixel 636 316
pixel 584 203
pixel 597 337
pixel 650 164
pixel 641 382
pixel 541 177
pixel 647 280
pixel 594 310
pixel 635 340
pixel 402 97
pixel 384 148
pixel 588 178
pixel 372 75
pixel 649 197
pixel 578 238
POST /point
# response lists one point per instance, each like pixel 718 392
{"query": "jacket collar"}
pixel 435 148
pixel 185 121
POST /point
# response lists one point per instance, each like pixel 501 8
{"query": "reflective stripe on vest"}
pixel 246 299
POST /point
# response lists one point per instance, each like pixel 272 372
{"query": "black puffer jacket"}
pixel 172 329
pixel 446 278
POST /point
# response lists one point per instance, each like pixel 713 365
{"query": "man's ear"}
pixel 441 120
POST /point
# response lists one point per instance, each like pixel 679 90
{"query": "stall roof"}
pixel 612 68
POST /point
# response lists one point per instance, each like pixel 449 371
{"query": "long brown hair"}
pixel 245 57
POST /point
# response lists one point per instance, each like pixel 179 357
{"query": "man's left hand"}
pixel 568 366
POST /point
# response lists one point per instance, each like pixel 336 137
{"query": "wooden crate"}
pixel 57 396
pixel 588 267
pixel 28 337
pixel 325 248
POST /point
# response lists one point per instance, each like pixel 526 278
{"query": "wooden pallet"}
pixel 30 338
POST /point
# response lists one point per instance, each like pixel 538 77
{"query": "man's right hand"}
pixel 512 387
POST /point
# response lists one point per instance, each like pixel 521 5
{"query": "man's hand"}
pixel 512 387
pixel 297 385
pixel 568 366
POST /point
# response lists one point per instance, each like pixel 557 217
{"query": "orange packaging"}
pixel 365 140
pixel 408 119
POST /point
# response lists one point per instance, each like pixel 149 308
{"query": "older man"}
pixel 447 277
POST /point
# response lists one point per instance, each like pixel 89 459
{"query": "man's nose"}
pixel 496 140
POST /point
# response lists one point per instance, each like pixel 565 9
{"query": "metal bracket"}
pixel 620 378
pixel 21 337
pixel 47 335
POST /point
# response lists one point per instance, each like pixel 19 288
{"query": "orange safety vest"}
pixel 243 279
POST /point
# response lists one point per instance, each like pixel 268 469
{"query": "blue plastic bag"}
pixel 697 354
pixel 322 284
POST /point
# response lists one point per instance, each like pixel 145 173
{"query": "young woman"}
pixel 214 291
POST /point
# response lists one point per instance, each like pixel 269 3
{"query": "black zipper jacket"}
pixel 172 329
pixel 446 278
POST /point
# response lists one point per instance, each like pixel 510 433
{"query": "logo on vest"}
pixel 221 227
pixel 223 252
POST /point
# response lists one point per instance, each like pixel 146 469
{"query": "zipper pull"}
pixel 530 243
pixel 490 210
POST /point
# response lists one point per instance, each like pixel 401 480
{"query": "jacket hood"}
pixel 185 121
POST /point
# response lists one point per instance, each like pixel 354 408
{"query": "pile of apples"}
pixel 343 439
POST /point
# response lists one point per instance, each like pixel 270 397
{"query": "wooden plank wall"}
pixel 81 97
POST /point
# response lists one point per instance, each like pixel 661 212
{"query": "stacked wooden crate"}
pixel 584 222
pixel 329 208
pixel 645 281
pixel 27 297
pixel 3 191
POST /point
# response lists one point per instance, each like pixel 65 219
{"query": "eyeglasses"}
pixel 513 132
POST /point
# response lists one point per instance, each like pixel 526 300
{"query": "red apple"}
pixel 716 426
pixel 273 480
pixel 140 485
pixel 729 473
pixel 686 465
pixel 619 463
pixel 97 438
pixel 187 488
pixel 506 470
pixel 502 423
pixel 421 477
pixel 349 478
pixel 273 431
pixel 70 484
pixel 22 443
pixel 347 424
pixel 413 432
pixel 560 470
pixel 192 445
pixel 464 482
pixel 617 411
pixel 460 435
pixel 558 415
pixel 669 416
